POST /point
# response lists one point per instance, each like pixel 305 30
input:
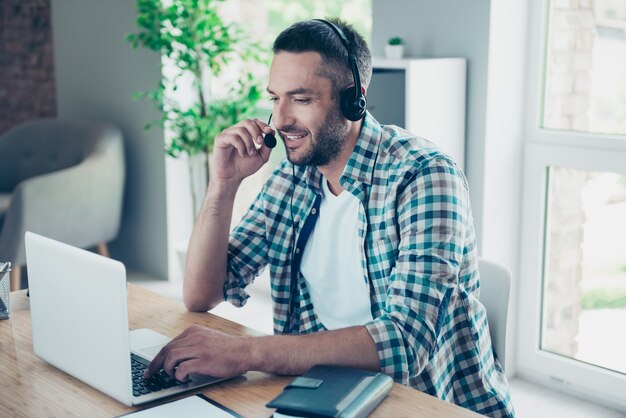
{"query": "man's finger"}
pixel 157 363
pixel 174 358
pixel 264 153
pixel 186 368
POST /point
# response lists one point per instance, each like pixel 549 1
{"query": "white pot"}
pixel 197 181
pixel 181 256
pixel 394 51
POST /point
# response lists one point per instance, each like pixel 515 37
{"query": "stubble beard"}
pixel 327 144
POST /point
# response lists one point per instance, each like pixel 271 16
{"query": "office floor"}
pixel 529 399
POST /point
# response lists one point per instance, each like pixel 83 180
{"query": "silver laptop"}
pixel 79 310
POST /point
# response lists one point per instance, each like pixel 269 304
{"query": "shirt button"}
pixel 297 250
pixel 314 211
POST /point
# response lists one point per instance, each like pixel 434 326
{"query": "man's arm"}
pixel 206 263
pixel 205 351
pixel 295 354
pixel 434 220
pixel 238 153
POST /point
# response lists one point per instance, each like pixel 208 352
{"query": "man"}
pixel 367 232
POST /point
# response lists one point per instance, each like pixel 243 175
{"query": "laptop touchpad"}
pixel 147 343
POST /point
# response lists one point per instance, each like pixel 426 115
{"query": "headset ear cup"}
pixel 352 108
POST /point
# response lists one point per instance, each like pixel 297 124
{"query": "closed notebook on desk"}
pixel 331 391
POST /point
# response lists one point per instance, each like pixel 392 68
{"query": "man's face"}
pixel 305 113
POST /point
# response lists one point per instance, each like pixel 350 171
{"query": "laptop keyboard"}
pixel 157 382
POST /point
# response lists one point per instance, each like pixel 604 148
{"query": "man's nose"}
pixel 282 115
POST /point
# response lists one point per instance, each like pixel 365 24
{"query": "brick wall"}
pixel 567 102
pixel 26 62
pixel 562 289
pixel 570 58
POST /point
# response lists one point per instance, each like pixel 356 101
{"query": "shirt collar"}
pixel 360 166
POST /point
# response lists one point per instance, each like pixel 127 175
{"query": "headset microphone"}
pixel 269 139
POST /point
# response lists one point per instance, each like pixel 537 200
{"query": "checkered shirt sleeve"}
pixel 432 219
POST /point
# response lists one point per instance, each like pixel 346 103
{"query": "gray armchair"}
pixel 63 179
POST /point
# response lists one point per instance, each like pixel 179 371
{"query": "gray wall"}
pixel 447 28
pixel 96 75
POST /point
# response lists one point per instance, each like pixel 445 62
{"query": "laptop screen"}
pixel 79 313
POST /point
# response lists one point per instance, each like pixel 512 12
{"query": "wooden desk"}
pixel 29 387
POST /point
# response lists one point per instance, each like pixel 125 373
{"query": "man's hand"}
pixel 203 351
pixel 239 150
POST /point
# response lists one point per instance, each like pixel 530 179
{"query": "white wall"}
pixel 502 183
pixel 96 74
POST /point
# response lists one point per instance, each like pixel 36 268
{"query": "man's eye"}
pixel 303 101
pixel 274 99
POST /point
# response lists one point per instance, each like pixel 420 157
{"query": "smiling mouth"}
pixel 293 137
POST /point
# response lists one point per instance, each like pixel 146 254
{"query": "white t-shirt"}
pixel 331 263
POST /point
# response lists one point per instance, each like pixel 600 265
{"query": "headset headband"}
pixel 351 58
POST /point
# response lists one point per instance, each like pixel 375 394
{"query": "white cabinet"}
pixel 425 96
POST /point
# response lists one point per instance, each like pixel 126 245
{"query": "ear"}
pixel 353 108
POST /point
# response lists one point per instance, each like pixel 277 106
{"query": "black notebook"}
pixel 332 391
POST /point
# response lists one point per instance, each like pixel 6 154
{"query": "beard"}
pixel 327 143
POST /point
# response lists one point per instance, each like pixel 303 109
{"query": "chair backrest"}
pixel 495 286
pixel 66 181
pixel 42 146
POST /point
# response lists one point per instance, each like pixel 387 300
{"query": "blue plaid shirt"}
pixel 418 256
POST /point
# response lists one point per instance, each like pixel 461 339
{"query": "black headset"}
pixel 352 100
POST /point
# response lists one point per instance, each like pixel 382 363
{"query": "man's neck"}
pixel 333 170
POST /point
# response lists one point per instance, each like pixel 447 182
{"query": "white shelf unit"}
pixel 425 96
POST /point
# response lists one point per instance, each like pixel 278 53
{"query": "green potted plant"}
pixel 394 48
pixel 196 46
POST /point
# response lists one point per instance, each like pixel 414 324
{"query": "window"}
pixel 586 67
pixel 265 19
pixel 584 279
pixel 573 251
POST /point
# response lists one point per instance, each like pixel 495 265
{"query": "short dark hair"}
pixel 316 36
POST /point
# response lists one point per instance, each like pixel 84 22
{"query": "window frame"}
pixel 543 148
